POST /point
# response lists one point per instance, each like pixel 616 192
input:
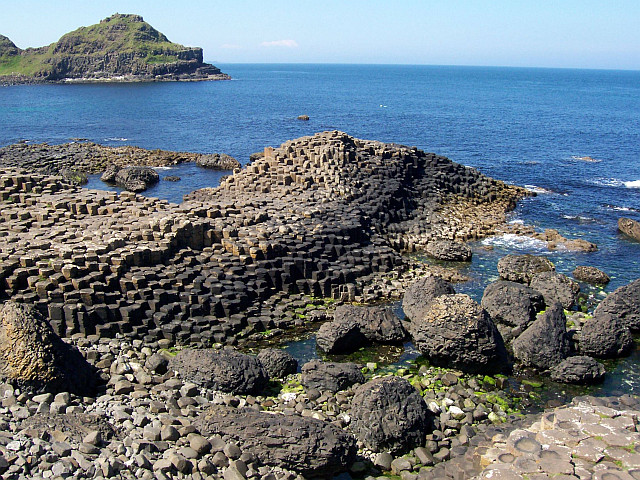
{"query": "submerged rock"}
pixel 581 370
pixel 134 179
pixel 624 304
pixel 456 332
pixel 388 414
pixel 421 293
pixel 556 288
pixel 225 370
pixel 218 161
pixel 522 268
pixel 304 445
pixel 34 358
pixel 545 343
pixel 630 228
pixel 591 275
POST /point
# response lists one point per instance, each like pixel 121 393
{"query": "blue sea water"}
pixel 525 126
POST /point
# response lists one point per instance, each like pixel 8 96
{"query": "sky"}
pixel 524 33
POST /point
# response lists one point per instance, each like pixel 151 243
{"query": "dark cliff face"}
pixel 119 46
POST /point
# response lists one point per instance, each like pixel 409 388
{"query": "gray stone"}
pixel 331 376
pixel 624 304
pixel 449 250
pixel 556 288
pixel 277 362
pixel 545 343
pixel 630 228
pixel 377 324
pixel 581 370
pixel 605 336
pixel 591 275
pixel 512 303
pixel 421 292
pixel 522 268
pixel 388 414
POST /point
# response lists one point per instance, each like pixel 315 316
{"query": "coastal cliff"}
pixel 119 48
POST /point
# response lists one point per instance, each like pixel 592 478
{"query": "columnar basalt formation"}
pixel 321 215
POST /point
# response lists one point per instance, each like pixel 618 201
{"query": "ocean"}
pixel 573 136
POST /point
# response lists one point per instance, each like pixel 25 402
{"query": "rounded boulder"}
pixel 556 288
pixel 277 362
pixel 421 293
pixel 522 268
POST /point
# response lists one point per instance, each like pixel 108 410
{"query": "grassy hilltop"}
pixel 121 45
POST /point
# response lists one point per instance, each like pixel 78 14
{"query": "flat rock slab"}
pixel 305 445
pixel 67 427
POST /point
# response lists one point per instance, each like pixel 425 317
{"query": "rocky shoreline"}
pixel 134 284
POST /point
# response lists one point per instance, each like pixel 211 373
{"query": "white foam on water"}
pixel 515 242
pixel 607 182
pixel 163 168
pixel 116 139
pixel 538 190
pixel 633 184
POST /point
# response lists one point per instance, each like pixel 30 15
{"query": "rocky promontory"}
pixel 121 48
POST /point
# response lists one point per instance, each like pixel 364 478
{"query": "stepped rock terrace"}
pixel 323 215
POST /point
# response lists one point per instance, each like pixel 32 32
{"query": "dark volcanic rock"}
pixel 624 303
pixel 137 179
pixel 33 357
pixel 421 293
pixel 340 337
pixel 456 332
pixel 171 178
pixel 591 275
pixel 556 288
pixel 522 268
pixel 545 343
pixel 605 336
pixel 388 414
pixel 629 227
pixel 512 303
pixel 354 326
pixel 225 370
pixel 580 370
pixel 331 376
pixel 449 250
pixel 304 445
pixel 277 363
pixel 218 161
pixel 73 426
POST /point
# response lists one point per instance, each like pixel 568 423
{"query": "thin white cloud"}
pixel 230 46
pixel 280 43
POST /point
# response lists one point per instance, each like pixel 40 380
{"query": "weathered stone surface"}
pixel 331 376
pixel 582 370
pixel 34 357
pixel 388 414
pixel 73 427
pixel 449 251
pixel 545 343
pixel 512 303
pixel 522 268
pixel 225 370
pixel 340 337
pixel 623 303
pixel 629 227
pixel 456 332
pixel 301 444
pixel 605 336
pixel 421 293
pixel 556 288
pixel 218 161
pixel 277 362
pixel 591 275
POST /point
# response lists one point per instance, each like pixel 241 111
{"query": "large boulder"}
pixel 72 427
pixel 134 179
pixel 629 227
pixel 605 336
pixel 339 337
pixel 449 250
pixel 522 268
pixel 226 370
pixel 331 376
pixel 302 444
pixel 624 303
pixel 354 326
pixel 277 362
pixel 377 324
pixel 511 303
pixel 581 370
pixel 556 288
pixel 421 292
pixel 456 332
pixel 545 343
pixel 389 415
pixel 218 161
pixel 34 358
pixel 591 275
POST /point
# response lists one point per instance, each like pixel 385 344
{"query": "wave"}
pixel 515 242
pixel 606 182
pixel 621 209
pixel 163 168
pixel 537 189
pixel 579 218
pixel 116 139
pixel 585 159
pixel 634 184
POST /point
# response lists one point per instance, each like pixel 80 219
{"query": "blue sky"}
pixel 539 33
